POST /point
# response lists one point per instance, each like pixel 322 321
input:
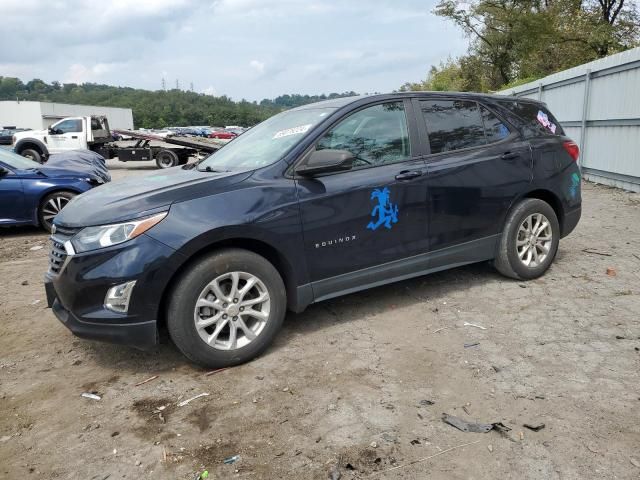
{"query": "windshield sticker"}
pixel 292 131
pixel 543 118
pixel 386 211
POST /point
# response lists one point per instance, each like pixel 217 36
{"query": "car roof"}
pixel 344 101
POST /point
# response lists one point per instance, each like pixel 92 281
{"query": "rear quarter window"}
pixel 535 119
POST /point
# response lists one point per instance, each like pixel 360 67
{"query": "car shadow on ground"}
pixel 22 231
pixel 378 301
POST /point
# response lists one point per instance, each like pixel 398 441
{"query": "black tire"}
pixel 33 154
pixel 50 204
pixel 166 159
pixel 507 260
pixel 190 285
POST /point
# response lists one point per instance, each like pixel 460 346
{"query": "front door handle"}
pixel 509 156
pixel 408 174
pixel 74 136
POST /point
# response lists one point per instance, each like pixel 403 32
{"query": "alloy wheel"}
pixel 534 240
pixel 53 207
pixel 232 310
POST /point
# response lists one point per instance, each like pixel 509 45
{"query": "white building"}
pixel 40 115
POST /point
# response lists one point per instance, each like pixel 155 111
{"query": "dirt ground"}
pixel 354 386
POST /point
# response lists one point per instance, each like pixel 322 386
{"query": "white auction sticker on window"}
pixel 292 131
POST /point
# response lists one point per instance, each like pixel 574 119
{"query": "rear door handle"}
pixel 74 136
pixel 408 174
pixel 509 156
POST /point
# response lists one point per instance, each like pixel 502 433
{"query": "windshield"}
pixel 267 142
pixel 16 161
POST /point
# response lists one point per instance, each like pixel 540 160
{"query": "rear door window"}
pixel 453 124
pixel 535 118
pixel 495 129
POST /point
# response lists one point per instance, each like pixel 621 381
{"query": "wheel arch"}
pixel 553 200
pixel 259 247
pixel 32 143
pixel 44 193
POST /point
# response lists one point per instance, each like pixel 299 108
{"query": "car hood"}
pixel 30 133
pixel 63 172
pixel 139 196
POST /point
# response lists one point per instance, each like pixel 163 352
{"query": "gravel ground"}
pixel 356 384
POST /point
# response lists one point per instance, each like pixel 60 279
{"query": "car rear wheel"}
pixel 227 308
pixel 529 241
pixel 166 159
pixel 51 206
pixel 32 154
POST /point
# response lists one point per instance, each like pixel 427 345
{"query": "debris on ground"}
pixel 596 252
pixel 473 427
pixel 146 381
pixel 92 396
pixel 334 473
pixel 490 448
pixel 536 427
pixel 425 402
pixel 202 476
pixel 420 460
pixel 611 272
pixel 37 247
pixel 186 402
pixel 465 426
pixel 231 460
pixel 467 324
pixel 634 462
pixel 216 371
pixel 25 282
pixel 469 345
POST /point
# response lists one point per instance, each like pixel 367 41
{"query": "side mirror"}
pixel 323 161
pixel 3 171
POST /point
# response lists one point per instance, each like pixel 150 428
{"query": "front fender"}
pixel 36 191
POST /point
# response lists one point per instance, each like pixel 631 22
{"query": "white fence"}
pixel 598 105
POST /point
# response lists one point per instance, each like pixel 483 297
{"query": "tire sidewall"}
pixel 166 154
pixel 180 313
pixel 35 155
pixel 529 207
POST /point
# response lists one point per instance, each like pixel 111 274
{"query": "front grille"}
pixel 58 255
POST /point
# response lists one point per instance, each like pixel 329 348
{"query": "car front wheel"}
pixel 51 206
pixel 529 241
pixel 227 308
pixel 32 154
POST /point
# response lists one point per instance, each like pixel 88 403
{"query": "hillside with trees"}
pixel 161 108
pixel 517 41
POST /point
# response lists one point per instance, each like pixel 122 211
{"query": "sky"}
pixel 250 49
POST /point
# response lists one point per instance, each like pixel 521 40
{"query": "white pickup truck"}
pixel 92 133
pixel 73 133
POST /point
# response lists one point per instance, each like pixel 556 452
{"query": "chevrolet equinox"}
pixel 315 202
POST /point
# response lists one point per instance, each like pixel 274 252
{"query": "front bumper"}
pixel 76 291
pixel 140 335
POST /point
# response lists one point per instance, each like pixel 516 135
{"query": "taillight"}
pixel 572 149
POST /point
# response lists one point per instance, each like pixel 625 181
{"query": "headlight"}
pixel 93 238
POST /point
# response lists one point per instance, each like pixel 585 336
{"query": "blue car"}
pixel 31 194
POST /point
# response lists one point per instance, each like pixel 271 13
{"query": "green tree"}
pixel 513 40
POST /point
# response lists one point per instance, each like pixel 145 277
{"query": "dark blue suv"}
pixel 316 202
